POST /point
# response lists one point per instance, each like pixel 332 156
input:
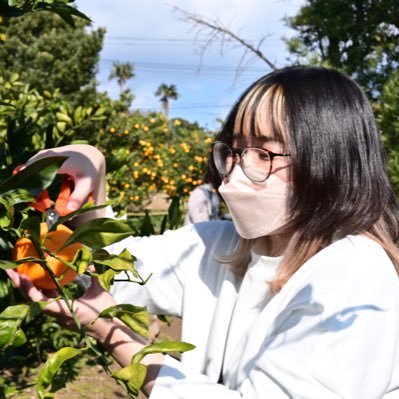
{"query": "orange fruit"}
pixel 53 241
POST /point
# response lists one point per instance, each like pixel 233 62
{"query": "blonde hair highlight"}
pixel 261 108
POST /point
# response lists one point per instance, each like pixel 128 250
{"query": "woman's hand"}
pixel 86 166
pixel 120 341
pixel 86 308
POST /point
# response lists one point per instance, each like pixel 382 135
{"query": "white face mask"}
pixel 257 209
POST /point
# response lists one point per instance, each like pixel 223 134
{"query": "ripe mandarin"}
pixel 53 241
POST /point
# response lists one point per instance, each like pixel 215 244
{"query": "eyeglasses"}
pixel 256 162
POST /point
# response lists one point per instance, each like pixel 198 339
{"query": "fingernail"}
pixel 72 206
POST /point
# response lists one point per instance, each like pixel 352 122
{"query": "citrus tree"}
pixel 31 121
pixel 149 154
pixel 25 246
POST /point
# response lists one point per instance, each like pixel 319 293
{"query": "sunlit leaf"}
pixel 64 118
pixel 162 347
pixel 82 259
pixel 135 317
pixel 6 104
pixel 5 214
pixel 7 264
pixel 122 262
pixel 99 233
pixel 10 321
pixel 105 278
pixel 133 375
pixel 51 367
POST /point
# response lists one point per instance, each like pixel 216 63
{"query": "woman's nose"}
pixel 236 158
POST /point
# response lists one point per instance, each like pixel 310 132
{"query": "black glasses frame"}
pixel 239 152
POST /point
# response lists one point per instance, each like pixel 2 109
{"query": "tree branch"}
pixel 216 30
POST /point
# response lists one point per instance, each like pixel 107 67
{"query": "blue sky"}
pixel 162 47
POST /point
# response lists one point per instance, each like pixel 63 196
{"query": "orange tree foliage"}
pixel 148 154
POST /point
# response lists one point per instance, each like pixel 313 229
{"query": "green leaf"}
pixel 35 177
pixel 61 126
pixel 32 224
pixel 174 213
pixel 18 196
pixel 5 214
pixel 6 104
pixel 11 319
pixel 100 254
pixel 13 336
pixel 51 368
pixel 135 317
pixel 106 277
pixel 78 115
pixel 163 224
pixel 88 207
pixel 64 118
pixel 133 375
pixel 10 322
pixel 162 347
pixel 82 259
pixel 7 264
pixel 101 232
pixel 146 227
pixel 100 111
pixel 122 262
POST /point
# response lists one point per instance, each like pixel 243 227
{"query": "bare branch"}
pixel 214 30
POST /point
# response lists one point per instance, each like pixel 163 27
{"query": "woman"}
pixel 298 297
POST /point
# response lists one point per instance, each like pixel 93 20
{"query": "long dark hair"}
pixel 340 184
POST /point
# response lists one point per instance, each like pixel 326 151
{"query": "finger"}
pixel 14 276
pixel 83 188
pixel 92 269
pixel 26 287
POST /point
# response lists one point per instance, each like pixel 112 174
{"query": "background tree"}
pixel 122 72
pixel 48 54
pixel 11 8
pixel 360 38
pixel 166 93
pixel 387 111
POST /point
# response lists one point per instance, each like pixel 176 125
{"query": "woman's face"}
pixel 280 166
pixel 260 123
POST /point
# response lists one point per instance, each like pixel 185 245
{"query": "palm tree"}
pixel 122 71
pixel 166 93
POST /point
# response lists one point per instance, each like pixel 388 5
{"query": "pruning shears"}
pixel 53 210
